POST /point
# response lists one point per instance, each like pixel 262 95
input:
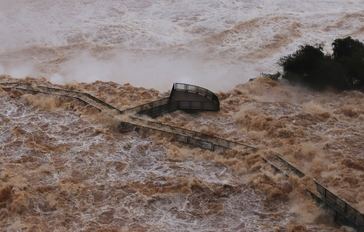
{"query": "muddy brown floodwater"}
pixel 65 167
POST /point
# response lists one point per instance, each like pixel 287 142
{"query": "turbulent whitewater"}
pixel 216 44
pixel 66 167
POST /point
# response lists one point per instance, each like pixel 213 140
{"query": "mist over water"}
pixel 217 44
pixel 67 167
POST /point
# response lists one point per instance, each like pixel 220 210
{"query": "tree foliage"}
pixel 343 70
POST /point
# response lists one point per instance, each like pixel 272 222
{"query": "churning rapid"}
pixel 213 43
pixel 66 167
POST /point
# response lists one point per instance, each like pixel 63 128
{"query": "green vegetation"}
pixel 343 70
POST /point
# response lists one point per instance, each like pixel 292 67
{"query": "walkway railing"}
pixel 344 212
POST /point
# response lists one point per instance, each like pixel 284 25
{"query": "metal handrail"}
pixel 352 215
pixel 195 89
pixel 86 97
pixel 341 206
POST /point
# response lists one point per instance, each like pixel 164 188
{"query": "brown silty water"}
pixel 319 132
pixel 66 167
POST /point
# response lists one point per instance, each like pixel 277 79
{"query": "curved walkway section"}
pixel 185 97
pixel 192 97
pixel 344 213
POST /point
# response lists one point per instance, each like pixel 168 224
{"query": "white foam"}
pixel 57 79
pixel 178 27
pixel 20 71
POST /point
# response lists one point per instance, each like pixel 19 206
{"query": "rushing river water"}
pixel 65 167
pixel 214 43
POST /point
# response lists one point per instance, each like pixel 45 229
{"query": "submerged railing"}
pixel 344 213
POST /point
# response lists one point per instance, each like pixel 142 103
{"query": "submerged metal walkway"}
pixel 343 212
pixel 129 120
pixel 185 97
